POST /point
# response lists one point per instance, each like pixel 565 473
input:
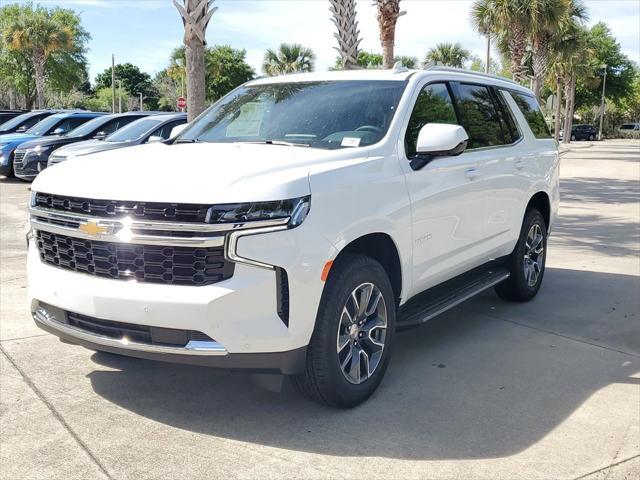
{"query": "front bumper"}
pixel 240 314
pixel 31 165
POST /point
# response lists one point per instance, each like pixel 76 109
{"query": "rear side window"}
pixel 434 105
pixel 479 116
pixel 510 128
pixel 529 107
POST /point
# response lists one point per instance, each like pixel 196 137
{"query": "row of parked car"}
pixel 32 141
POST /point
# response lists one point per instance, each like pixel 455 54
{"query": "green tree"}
pixel 546 19
pixel 505 20
pixel 288 58
pixel 226 69
pixel 133 79
pixel 449 54
pixel 41 48
pixel 621 71
pixel 407 61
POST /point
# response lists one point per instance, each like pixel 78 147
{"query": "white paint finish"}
pixel 452 215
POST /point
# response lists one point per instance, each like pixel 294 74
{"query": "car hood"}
pixel 191 173
pixel 88 146
pixel 16 138
pixel 49 140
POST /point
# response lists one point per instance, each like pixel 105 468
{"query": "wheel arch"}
pixel 382 248
pixel 541 202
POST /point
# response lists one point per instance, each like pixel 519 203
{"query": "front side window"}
pixel 479 116
pixel 529 107
pixel 434 105
pixel 88 127
pixel 322 114
pixel 45 126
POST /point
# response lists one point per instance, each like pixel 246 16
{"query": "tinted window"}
pixel 88 126
pixel 509 126
pixel 531 110
pixel 166 131
pixel 479 116
pixel 26 120
pixel 323 114
pixel 133 131
pixel 434 105
pixel 71 123
pixel 45 126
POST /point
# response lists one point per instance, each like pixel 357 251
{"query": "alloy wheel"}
pixel 362 332
pixel 533 255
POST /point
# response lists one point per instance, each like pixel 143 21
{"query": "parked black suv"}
pixel 583 132
pixel 23 122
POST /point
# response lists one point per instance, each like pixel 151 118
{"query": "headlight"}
pixel 38 149
pixel 296 209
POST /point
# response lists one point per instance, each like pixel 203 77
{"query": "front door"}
pixel 446 198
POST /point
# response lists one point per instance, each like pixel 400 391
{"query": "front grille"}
pixel 135 333
pixel 144 263
pixel 175 212
pixel 18 157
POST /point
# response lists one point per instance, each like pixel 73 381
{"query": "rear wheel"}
pixel 351 344
pixel 527 262
pixel 591 138
pixel 573 138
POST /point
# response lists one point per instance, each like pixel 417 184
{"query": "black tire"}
pixel 518 287
pixel 323 379
pixel 573 138
pixel 591 138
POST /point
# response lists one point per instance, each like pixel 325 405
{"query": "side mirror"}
pixel 175 131
pixel 438 140
pixel 155 139
pixel 100 136
pixel 59 131
pixel 21 129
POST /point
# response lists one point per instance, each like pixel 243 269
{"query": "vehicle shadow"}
pixel 473 383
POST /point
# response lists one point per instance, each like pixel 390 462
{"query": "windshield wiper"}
pixel 278 142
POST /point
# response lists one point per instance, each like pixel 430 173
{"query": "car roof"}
pixel 78 114
pixel 398 73
pixel 167 117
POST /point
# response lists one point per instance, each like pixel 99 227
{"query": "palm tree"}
pixel 344 18
pixel 483 19
pixel 505 20
pixel 195 17
pixel 289 58
pixel 546 18
pixel 41 35
pixel 448 54
pixel 387 15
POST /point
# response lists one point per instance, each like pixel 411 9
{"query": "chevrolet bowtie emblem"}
pixel 92 228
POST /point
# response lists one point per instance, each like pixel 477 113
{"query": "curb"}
pixel 573 148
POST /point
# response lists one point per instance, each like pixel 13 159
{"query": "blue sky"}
pixel 144 32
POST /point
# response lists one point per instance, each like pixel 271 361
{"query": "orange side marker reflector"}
pixel 325 270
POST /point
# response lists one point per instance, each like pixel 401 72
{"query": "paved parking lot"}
pixel 547 389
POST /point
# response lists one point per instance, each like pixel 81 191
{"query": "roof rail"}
pixel 440 68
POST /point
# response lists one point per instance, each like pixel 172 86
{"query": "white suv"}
pixel 297 223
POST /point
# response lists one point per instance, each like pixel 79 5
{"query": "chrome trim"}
pixel 126 236
pixel 231 247
pixel 128 230
pixel 194 347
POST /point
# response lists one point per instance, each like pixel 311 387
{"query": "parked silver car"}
pixel 145 130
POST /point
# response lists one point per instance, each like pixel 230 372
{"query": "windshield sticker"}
pixel 249 122
pixel 350 142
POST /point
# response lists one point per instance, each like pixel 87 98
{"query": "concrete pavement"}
pixel 547 389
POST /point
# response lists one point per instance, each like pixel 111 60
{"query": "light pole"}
pixel 604 86
pixel 113 83
pixel 119 95
pixel 140 93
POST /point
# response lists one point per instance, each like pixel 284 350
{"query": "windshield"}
pixel 44 126
pixel 15 121
pixel 87 128
pixel 133 131
pixel 323 114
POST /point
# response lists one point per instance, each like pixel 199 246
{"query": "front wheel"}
pixel 591 138
pixel 573 138
pixel 527 262
pixel 351 344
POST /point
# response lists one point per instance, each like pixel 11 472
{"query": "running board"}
pixel 439 299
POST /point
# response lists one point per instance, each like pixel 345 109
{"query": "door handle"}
pixel 471 173
pixel 519 164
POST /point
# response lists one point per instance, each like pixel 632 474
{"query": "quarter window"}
pixel 479 116
pixel 434 105
pixel 529 107
pixel 510 128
